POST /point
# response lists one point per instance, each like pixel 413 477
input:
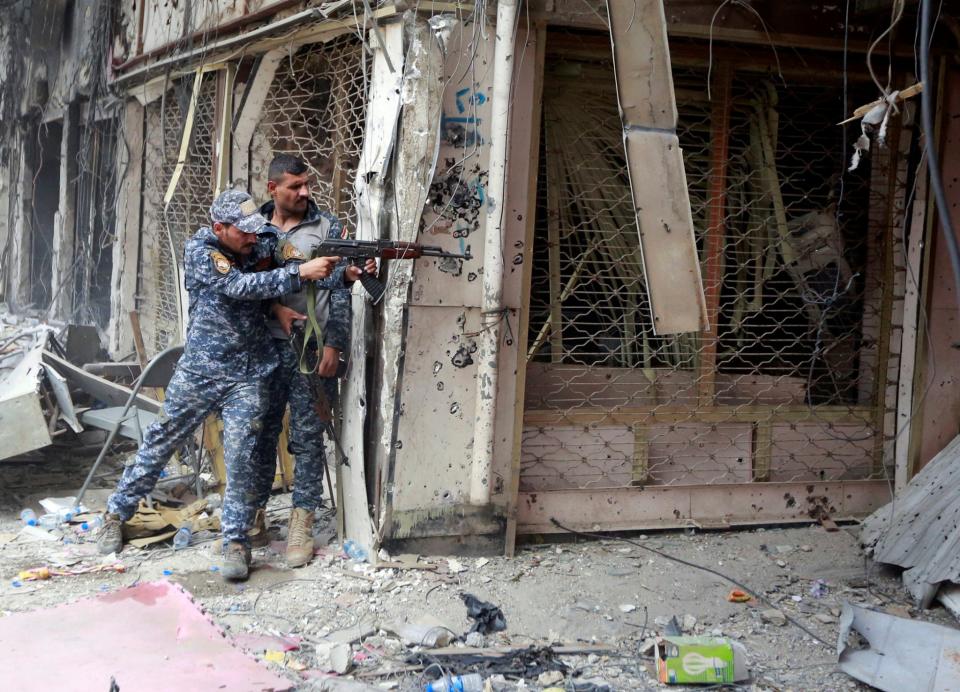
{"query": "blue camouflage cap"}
pixel 237 208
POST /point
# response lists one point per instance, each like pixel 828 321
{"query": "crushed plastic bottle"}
pixel 92 524
pixel 456 683
pixel 355 551
pixel 181 538
pixel 28 517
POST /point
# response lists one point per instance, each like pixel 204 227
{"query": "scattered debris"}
pixel 42 573
pixel 334 657
pixel 487 617
pixel 550 677
pixel 427 631
pixel 818 589
pixel 515 663
pixel 774 617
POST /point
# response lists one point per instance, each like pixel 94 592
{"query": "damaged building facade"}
pixel 771 342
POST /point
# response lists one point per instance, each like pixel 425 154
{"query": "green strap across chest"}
pixel 311 331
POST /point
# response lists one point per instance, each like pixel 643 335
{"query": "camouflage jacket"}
pixel 334 311
pixel 227 333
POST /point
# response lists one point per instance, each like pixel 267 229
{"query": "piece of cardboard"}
pixel 684 660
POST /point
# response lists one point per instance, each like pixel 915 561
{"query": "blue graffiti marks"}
pixel 463 129
pixel 471 97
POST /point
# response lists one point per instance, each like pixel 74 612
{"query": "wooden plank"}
pixel 641 456
pixel 555 324
pixel 533 154
pixel 716 231
pixel 667 242
pixel 668 247
pixel 641 60
pixel 719 414
pixel 577 386
pixel 654 507
pixel 908 344
pixel 762 450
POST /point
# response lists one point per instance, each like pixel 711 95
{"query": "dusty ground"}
pixel 571 592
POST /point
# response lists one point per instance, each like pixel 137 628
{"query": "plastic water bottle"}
pixel 48 522
pixel 355 551
pixel 28 517
pixel 182 538
pixel 92 524
pixel 65 514
pixel 457 683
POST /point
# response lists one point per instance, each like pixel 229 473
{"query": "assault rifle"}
pixel 321 403
pixel 358 251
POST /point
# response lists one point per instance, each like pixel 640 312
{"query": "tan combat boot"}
pixel 259 538
pixel 300 537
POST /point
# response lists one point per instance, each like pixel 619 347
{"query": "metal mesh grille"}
pixel 798 284
pixel 188 209
pixel 315 110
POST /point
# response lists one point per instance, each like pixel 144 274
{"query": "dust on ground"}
pixel 568 591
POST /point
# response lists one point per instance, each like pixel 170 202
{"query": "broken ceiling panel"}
pixel 655 163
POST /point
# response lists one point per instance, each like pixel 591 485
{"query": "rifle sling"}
pixel 311 331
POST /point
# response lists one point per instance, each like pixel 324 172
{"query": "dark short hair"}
pixel 285 163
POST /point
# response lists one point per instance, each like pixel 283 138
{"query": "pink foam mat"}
pixel 148 637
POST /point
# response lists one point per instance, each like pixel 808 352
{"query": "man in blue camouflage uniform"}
pixel 228 356
pixel 303 226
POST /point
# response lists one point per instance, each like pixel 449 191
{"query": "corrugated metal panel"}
pixel 918 530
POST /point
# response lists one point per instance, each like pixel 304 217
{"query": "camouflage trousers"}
pixel 189 399
pixel 289 385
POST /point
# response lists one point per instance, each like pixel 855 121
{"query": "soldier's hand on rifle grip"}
pixel 353 271
pixel 318 268
pixel 329 362
pixel 286 316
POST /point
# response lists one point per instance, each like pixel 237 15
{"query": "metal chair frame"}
pixel 157 373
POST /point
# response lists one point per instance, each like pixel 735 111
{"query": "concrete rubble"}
pixel 339 624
